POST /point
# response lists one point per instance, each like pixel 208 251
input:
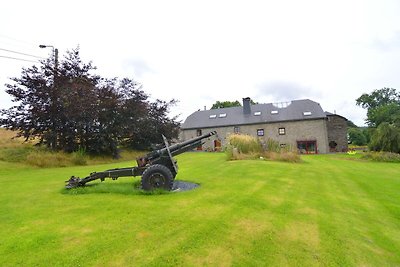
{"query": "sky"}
pixel 198 52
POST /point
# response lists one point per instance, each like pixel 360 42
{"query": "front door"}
pixel 217 145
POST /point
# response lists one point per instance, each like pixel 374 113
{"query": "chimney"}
pixel 246 106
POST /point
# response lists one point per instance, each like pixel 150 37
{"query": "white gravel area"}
pixel 183 186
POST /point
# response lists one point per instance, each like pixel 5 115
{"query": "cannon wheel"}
pixel 157 176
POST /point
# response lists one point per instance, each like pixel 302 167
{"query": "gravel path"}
pixel 183 186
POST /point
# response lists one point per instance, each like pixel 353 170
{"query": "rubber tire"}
pixel 157 176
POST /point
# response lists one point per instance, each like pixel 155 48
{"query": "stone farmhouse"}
pixel 300 124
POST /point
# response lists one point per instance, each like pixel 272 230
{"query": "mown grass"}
pixel 327 211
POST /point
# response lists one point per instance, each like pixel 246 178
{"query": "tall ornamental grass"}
pixel 241 146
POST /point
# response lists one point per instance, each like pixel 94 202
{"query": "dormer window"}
pixel 307 113
pixel 213 116
pixel 257 113
pixel 274 112
pixel 222 115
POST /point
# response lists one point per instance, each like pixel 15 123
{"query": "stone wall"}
pixel 337 133
pixel 306 130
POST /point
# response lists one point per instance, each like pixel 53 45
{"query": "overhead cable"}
pixel 21 59
pixel 20 53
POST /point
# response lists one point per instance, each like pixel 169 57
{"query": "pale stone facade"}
pixel 294 131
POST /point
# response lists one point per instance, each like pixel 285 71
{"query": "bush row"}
pixel 381 156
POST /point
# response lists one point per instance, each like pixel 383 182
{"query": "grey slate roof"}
pixel 235 116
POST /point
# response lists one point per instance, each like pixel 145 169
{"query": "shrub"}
pixel 245 143
pixel 79 157
pixel 242 146
pixel 381 156
pixel 44 159
pixel 15 154
pixel 247 147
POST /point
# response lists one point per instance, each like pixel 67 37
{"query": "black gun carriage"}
pixel 157 168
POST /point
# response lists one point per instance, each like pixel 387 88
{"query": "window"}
pixel 222 115
pixel 307 147
pixel 274 112
pixel 198 132
pixel 260 132
pixel 236 129
pixel 307 113
pixel 213 116
pixel 282 131
pixel 257 113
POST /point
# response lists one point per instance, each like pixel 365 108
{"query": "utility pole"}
pixel 52 95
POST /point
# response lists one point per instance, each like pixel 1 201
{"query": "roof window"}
pixel 213 116
pixel 257 113
pixel 222 115
pixel 307 113
pixel 274 112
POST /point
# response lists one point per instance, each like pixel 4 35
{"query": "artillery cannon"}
pixel 157 168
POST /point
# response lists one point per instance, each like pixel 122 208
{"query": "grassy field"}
pixel 329 210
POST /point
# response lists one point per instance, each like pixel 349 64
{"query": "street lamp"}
pixel 53 128
pixel 55 51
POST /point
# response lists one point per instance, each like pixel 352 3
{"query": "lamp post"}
pixel 55 52
pixel 53 127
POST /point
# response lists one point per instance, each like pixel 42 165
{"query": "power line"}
pixel 21 59
pixel 20 53
pixel 13 39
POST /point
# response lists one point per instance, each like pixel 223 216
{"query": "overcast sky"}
pixel 199 52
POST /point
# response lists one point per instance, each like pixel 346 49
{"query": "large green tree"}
pixel 68 107
pixel 383 105
pixel 383 116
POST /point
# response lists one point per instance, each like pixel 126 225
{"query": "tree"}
pixel 351 124
pixel 386 138
pixel 382 105
pixel 357 137
pixel 69 108
pixel 225 104
pixel 228 104
pixel 383 116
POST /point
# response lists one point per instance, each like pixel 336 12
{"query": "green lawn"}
pixel 329 210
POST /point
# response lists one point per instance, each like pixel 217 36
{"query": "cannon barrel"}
pixel 174 149
pixel 178 146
